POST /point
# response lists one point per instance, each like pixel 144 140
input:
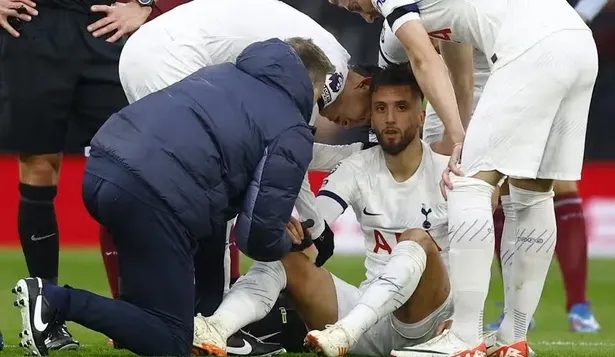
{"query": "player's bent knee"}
pixel 422 238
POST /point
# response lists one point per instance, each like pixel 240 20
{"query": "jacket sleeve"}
pixel 260 231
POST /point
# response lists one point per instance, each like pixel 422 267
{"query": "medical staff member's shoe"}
pixel 208 339
pixel 38 319
pixel 448 344
pixel 497 349
pixel 244 344
pixel 60 339
pixel 581 319
pixel 333 341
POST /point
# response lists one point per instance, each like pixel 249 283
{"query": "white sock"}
pixel 471 237
pixel 251 297
pixel 389 290
pixel 535 243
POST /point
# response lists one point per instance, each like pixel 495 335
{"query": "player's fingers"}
pixel 105 30
pixel 100 8
pixel 25 9
pixel 443 189
pixel 28 3
pixel 116 36
pixel 5 25
pixel 99 24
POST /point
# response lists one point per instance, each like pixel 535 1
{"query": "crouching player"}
pixel 393 190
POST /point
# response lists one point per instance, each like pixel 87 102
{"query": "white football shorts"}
pixel 532 116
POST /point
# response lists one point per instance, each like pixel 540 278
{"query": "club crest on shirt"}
pixel 425 211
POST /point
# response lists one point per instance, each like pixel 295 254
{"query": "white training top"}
pixel 384 207
pixel 206 32
pixel 502 30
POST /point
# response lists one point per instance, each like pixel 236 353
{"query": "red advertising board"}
pixel 78 229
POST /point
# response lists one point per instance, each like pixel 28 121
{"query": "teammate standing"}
pixel 571 246
pixel 543 72
pixel 55 74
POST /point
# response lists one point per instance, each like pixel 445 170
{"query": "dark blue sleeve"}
pixel 260 230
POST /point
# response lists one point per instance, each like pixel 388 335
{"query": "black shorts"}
pixel 54 78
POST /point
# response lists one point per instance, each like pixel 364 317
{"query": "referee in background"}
pixel 58 70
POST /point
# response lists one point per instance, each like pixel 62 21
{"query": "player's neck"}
pixel 405 164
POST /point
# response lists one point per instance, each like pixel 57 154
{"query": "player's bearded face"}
pixel 394 140
pixel 396 118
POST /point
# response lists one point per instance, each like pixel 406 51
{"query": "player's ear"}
pixel 365 83
pixel 422 117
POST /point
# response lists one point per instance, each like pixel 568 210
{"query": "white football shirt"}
pixel 392 51
pixel 384 207
pixel 502 30
pixel 207 32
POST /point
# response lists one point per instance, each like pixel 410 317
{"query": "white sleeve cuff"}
pixel 403 19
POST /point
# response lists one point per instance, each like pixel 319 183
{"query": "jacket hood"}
pixel 274 62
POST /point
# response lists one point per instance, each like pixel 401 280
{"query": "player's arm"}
pixel 339 190
pixel 432 76
pixel 260 231
pixel 306 207
pixel 459 59
pixel 325 156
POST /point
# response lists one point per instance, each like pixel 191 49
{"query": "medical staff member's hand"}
pixel 11 10
pixel 306 239
pixel 120 19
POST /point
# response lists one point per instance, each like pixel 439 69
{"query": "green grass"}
pixel 83 269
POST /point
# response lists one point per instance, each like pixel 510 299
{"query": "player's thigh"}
pixel 316 293
pixel 154 251
pixel 433 128
pixel 512 121
pixel 37 81
pixel 563 155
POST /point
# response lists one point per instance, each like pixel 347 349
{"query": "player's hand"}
pixel 12 11
pixel 325 245
pixel 306 241
pixel 122 20
pixel 453 167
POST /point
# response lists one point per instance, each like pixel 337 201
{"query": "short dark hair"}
pixel 366 70
pixel 395 75
pixel 314 59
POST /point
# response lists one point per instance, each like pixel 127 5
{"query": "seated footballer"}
pixel 394 191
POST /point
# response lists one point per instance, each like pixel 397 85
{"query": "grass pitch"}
pixel 83 269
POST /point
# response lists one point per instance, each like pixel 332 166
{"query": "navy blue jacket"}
pixel 229 139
